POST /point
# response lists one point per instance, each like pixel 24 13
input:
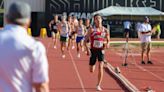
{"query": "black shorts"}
pixel 126 30
pixel 71 35
pixel 63 39
pixel 96 54
pixel 55 31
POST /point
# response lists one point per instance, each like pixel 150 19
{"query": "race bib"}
pixel 98 44
pixel 54 27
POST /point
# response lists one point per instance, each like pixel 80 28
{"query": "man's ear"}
pixel 28 23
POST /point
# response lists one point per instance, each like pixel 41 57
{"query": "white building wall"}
pixel 36 5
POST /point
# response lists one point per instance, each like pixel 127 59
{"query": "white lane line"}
pixel 143 69
pixel 77 72
pixel 157 60
pixel 135 41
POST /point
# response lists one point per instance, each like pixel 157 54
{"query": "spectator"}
pixel 127 30
pixel 157 30
pixel 23 61
pixel 145 38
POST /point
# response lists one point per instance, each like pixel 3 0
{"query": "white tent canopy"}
pixel 136 11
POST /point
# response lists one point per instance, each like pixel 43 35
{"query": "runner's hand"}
pixel 88 53
pixel 107 46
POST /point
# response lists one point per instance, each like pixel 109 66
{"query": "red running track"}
pixel 142 76
pixel 72 74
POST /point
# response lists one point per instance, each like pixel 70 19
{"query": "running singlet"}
pixel 71 29
pixel 80 31
pixel 54 25
pixel 97 39
pixel 64 31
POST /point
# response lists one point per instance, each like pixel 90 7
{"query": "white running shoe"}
pixel 54 47
pixel 98 88
pixel 63 56
pixel 73 47
pixel 78 55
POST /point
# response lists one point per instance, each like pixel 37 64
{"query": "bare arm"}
pixel 59 27
pixel 41 87
pixel 146 32
pixel 50 24
pixel 107 37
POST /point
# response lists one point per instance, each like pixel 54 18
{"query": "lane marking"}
pixel 127 84
pixel 143 69
pixel 77 72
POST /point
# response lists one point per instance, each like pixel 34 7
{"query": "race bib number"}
pixel 98 44
pixel 54 27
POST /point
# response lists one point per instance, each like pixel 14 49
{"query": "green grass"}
pixel 160 44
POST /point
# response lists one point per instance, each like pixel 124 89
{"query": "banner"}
pixel 84 7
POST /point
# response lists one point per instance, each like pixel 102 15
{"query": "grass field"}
pixel 158 44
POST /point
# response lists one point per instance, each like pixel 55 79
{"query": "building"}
pixel 43 10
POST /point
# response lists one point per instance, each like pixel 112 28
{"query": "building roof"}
pixel 137 11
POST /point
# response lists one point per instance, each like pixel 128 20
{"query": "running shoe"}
pixel 78 55
pixel 98 88
pixel 149 62
pixel 54 47
pixel 142 62
pixel 73 47
pixel 63 56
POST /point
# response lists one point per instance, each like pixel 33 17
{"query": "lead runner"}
pixel 99 37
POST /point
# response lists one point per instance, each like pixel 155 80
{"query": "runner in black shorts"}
pixel 96 54
pixel 87 26
pixel 64 31
pixel 71 28
pixel 99 39
pixel 53 25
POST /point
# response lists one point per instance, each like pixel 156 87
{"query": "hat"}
pixel 146 17
pixel 19 12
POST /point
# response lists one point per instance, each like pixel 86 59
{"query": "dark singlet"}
pixel 54 26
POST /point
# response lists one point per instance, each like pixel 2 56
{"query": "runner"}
pixel 73 35
pixel 99 37
pixel 87 23
pixel 63 29
pixel 53 27
pixel 80 36
pixel 71 32
pixel 87 26
pixel 157 30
